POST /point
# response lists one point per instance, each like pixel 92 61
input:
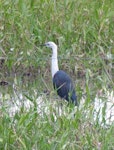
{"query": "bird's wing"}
pixel 61 79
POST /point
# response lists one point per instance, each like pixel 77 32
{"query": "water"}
pixel 14 101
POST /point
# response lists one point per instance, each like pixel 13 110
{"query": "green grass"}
pixel 31 130
pixel 84 32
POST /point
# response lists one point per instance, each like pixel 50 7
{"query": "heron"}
pixel 62 82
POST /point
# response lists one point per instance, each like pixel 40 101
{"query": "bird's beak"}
pixel 42 44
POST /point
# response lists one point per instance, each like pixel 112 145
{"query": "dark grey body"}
pixel 64 86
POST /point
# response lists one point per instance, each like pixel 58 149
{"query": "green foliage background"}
pixel 84 33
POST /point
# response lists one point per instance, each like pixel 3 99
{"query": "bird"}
pixel 62 82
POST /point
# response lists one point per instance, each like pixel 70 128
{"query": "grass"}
pixel 84 32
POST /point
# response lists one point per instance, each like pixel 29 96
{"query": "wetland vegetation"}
pixel 31 114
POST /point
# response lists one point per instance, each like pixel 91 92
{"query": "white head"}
pixel 51 45
pixel 54 62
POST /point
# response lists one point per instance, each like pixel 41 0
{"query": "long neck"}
pixel 54 62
